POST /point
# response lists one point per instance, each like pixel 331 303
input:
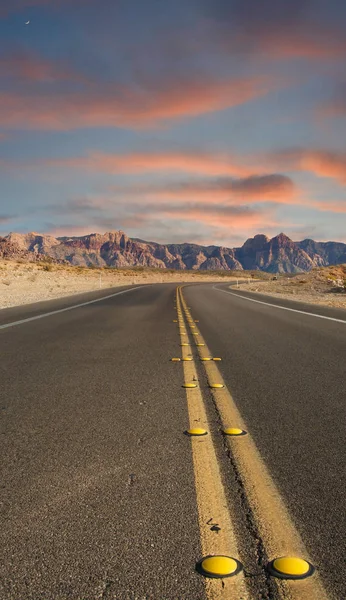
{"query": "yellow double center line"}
pixel 276 529
pixel 211 498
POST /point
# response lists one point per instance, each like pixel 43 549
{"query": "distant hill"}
pixel 115 249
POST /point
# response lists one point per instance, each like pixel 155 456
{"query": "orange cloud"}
pixel 229 193
pixel 334 207
pixel 274 188
pixel 319 162
pixel 199 163
pixel 120 106
pixel 325 164
pixel 219 216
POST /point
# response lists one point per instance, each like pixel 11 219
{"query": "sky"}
pixel 204 121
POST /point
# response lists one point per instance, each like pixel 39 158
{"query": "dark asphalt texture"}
pixel 287 374
pixel 97 484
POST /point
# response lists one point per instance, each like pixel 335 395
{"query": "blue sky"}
pixel 205 120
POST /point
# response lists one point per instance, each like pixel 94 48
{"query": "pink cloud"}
pixel 199 163
pixel 120 106
pixel 24 66
pixel 228 192
pixel 273 188
pixel 276 29
pixel 321 163
pixel 317 44
pixel 219 216
pixel 325 164
pixel 334 207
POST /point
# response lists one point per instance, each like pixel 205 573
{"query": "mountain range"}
pixel 115 249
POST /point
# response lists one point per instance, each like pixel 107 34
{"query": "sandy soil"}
pixel 23 283
pixel 317 287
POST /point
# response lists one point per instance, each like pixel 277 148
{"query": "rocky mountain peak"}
pixel 281 240
pixel 116 249
pixel 257 242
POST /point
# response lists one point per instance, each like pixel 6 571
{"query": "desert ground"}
pixel 325 285
pixel 24 283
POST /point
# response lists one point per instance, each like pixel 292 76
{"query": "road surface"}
pixel 102 494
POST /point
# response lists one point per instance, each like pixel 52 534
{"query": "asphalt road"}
pixel 97 481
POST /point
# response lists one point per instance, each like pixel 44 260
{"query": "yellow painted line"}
pixel 276 528
pixel 211 498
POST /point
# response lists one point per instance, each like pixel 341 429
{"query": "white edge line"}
pixel 61 310
pixel 302 312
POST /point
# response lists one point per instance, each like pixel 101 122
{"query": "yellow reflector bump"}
pixel 175 359
pixel 217 358
pixel 184 344
pixel 234 431
pixel 189 385
pixel 196 431
pixel 196 321
pixel 216 385
pixel 219 566
pixel 175 321
pixel 200 344
pixel 290 567
pixel 187 358
pixel 206 358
